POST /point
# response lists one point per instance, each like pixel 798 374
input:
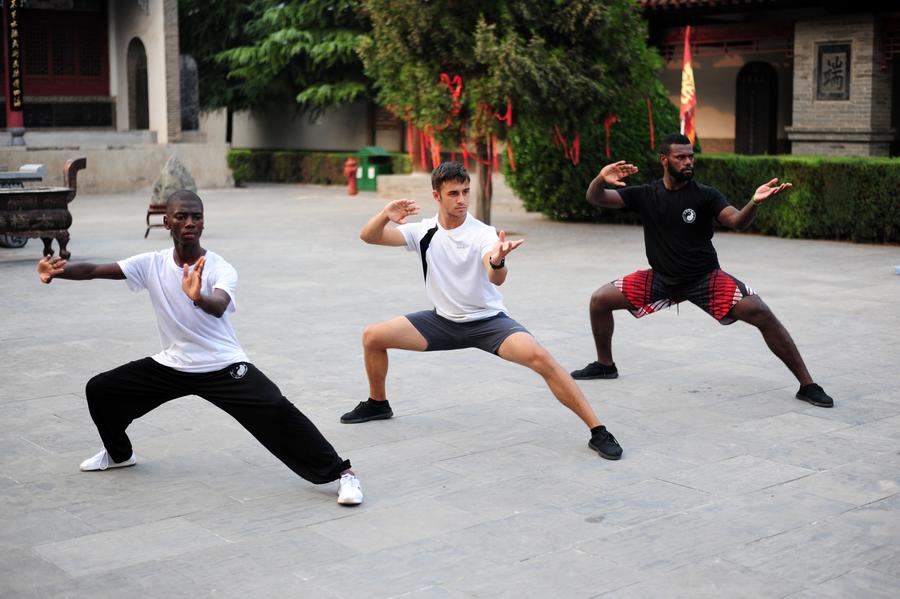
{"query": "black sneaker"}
pixel 815 395
pixel 604 443
pixel 368 410
pixel 596 370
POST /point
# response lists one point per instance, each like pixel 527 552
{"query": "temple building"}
pixel 786 76
pixel 104 79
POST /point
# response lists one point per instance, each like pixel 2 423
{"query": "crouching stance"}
pixel 193 291
pixel 679 217
pixel 464 261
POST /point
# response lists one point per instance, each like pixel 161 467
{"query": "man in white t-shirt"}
pixel 463 261
pixel 192 291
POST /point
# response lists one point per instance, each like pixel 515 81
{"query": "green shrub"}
pixel 286 167
pixel 547 182
pixel 239 163
pixel 298 166
pixel 324 168
pixel 400 163
pixel 849 198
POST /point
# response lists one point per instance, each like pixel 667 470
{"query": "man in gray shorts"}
pixel 463 261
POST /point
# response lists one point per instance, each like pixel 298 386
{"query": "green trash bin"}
pixel 373 161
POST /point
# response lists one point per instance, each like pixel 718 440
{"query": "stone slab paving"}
pixel 482 485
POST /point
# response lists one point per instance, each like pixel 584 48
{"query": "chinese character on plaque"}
pixel 833 72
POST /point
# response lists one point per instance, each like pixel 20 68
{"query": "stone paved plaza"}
pixel 482 485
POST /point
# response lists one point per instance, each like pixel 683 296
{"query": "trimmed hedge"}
pixel 297 166
pixel 846 198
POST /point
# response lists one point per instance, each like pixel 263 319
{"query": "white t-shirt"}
pixel 455 279
pixel 192 340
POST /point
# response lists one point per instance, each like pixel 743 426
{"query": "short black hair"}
pixel 672 139
pixel 448 171
pixel 185 195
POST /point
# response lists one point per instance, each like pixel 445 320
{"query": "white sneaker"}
pixel 349 492
pixel 102 461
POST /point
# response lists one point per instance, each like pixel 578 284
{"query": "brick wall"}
pixel 859 125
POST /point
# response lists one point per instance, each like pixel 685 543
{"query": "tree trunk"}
pixel 484 191
pixel 417 151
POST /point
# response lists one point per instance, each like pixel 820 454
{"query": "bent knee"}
pixel 607 297
pixel 753 310
pixel 370 337
pixel 96 388
pixel 540 360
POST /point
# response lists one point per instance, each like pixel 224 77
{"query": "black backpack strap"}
pixel 423 247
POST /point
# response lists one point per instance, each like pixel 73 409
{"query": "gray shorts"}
pixel 487 334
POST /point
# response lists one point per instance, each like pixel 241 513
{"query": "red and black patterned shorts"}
pixel 715 293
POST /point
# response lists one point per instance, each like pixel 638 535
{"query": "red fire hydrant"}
pixel 350 173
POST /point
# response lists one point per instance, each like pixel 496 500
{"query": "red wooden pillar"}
pixel 15 92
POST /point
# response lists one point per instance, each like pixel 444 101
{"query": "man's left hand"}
pixel 503 247
pixel 768 190
pixel 192 280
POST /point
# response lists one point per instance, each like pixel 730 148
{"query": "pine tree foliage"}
pixel 205 29
pixel 260 53
pixel 303 51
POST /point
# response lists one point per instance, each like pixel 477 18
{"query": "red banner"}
pixel 688 91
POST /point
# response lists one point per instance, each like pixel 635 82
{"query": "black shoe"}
pixel 815 395
pixel 604 443
pixel 368 410
pixel 596 370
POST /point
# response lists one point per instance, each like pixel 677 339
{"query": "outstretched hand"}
pixel 50 267
pixel 503 247
pixel 613 174
pixel 398 210
pixel 768 190
pixel 192 280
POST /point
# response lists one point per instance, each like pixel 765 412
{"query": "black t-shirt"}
pixel 678 227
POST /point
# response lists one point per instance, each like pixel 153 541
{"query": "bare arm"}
pixel 741 219
pixel 498 256
pixel 215 303
pixel 375 231
pixel 50 268
pixel 611 174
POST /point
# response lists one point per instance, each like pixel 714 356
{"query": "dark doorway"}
pixel 138 99
pixel 756 113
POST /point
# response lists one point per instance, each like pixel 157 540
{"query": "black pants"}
pixel 118 396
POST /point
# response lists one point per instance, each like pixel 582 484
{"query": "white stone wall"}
pixel 128 168
pixel 155 30
pixel 339 129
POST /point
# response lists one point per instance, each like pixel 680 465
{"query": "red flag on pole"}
pixel 688 91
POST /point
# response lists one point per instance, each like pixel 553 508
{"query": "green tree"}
pixel 552 61
pixel 204 30
pixel 301 52
pixel 260 53
pixel 548 182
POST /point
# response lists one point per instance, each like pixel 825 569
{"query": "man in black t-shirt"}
pixel 679 217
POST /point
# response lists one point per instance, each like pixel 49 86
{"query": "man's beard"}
pixel 681 177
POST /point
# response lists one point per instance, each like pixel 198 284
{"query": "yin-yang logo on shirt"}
pixel 689 216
